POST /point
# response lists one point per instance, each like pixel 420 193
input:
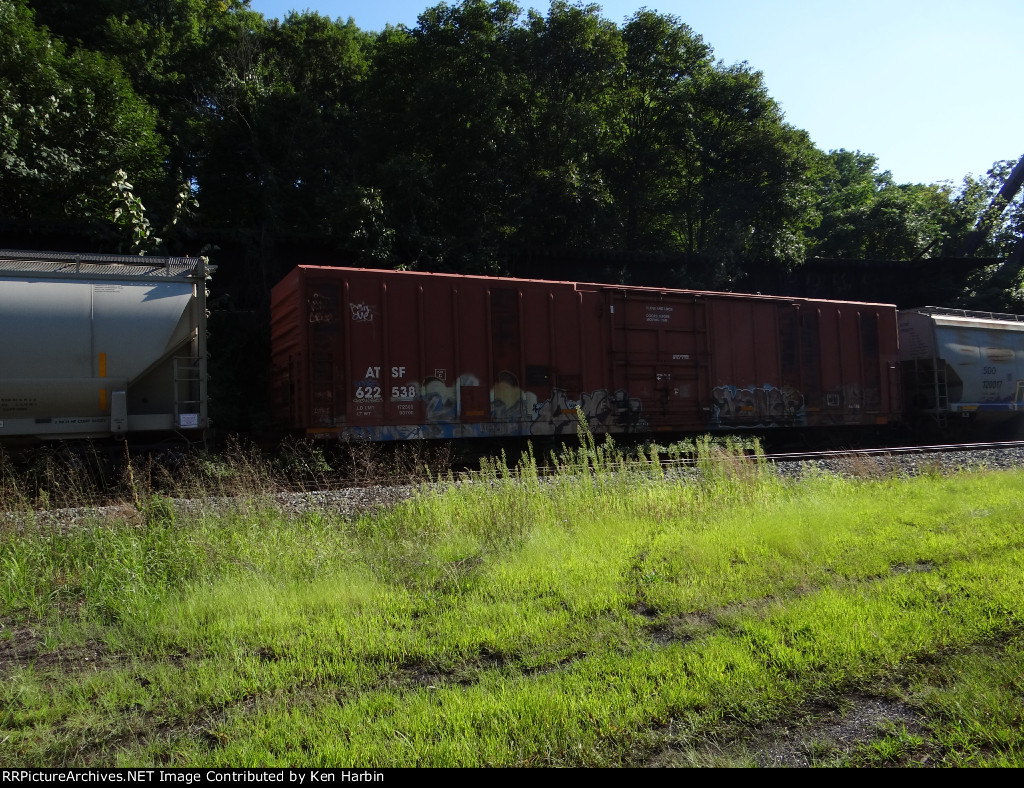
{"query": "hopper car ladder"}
pixel 941 388
pixel 929 384
pixel 188 377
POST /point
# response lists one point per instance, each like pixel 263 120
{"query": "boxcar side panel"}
pixel 395 355
pixel 889 366
pixel 753 382
pixel 561 316
pixel 659 359
pixel 538 364
pixel 851 372
pixel 325 346
pixel 439 340
pixel 289 399
pixel 402 372
pixel 473 384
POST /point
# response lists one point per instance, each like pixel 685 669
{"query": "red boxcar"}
pixel 385 355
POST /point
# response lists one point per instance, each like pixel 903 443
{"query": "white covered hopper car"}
pixel 101 345
pixel 962 364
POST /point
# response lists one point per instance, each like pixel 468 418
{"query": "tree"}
pixel 446 105
pixel 172 52
pixel 979 207
pixel 278 160
pixel 987 220
pixel 571 60
pixel 68 121
pixel 701 161
pixel 865 214
pixel 744 192
pixel 663 61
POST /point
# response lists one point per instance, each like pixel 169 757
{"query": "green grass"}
pixel 606 616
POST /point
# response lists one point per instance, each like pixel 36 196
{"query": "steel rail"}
pixel 885 451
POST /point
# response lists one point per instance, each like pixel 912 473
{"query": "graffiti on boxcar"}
pixel 361 313
pixel 611 410
pixel 509 403
pixel 322 308
pixel 512 409
pixel 555 415
pixel 868 397
pixel 765 403
pixel 441 401
pixel 514 413
pixel 603 411
pixel 438 400
pixel 402 432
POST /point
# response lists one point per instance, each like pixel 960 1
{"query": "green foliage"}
pixel 611 615
pixel 447 102
pixel 1000 287
pixel 865 214
pixel 129 215
pixel 570 60
pixel 654 124
pixel 281 120
pixel 68 119
pixel 476 137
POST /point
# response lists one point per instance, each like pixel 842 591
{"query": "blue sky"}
pixel 930 87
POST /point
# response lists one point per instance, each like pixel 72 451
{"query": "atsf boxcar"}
pixel 383 355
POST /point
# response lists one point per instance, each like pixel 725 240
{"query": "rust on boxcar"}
pixel 395 355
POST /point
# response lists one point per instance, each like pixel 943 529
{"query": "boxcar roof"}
pixel 602 285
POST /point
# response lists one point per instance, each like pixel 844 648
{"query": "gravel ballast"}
pixel 353 502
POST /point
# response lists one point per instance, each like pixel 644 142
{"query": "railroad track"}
pixel 354 499
pixel 1000 454
pixel 942 448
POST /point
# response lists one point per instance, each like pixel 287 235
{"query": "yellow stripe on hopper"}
pixel 103 399
pixel 103 365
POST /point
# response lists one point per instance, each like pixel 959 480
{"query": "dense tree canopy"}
pixel 69 118
pixel 480 136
